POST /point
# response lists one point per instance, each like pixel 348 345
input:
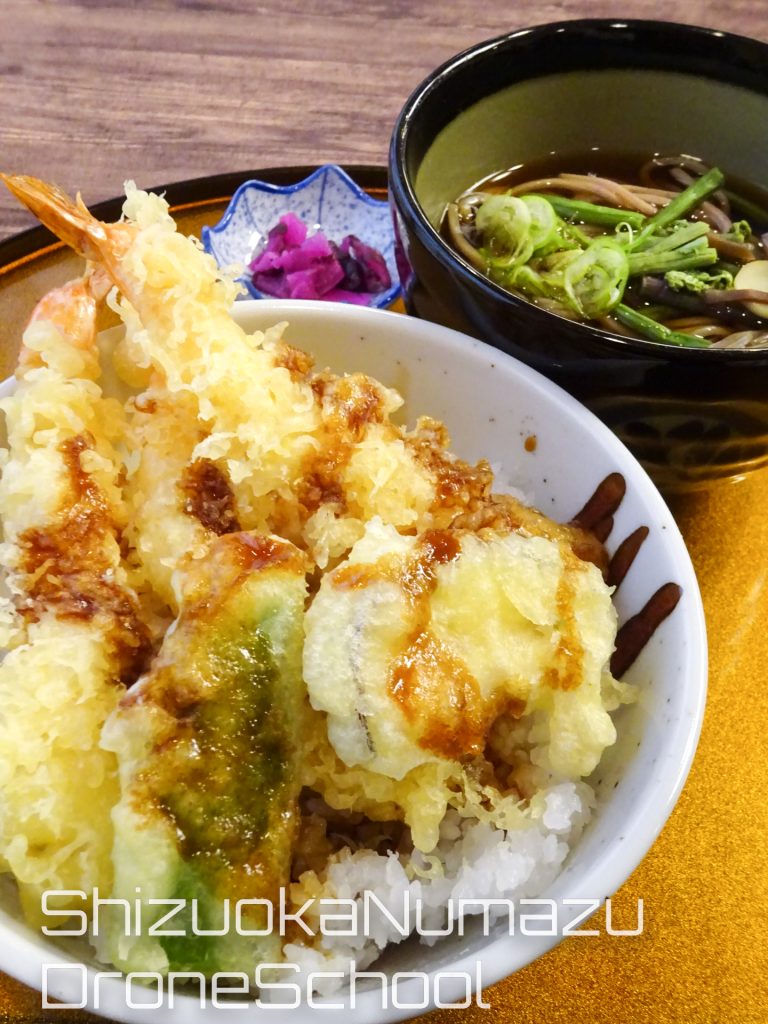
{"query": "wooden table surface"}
pixel 97 91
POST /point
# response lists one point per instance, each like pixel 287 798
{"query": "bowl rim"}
pixel 403 193
pixel 209 232
pixel 653 806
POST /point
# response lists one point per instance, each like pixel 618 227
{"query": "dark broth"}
pixel 621 167
pixel 625 168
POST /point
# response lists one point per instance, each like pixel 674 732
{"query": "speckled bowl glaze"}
pixel 632 87
pixel 328 200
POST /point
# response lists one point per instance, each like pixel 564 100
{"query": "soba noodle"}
pixel 687 293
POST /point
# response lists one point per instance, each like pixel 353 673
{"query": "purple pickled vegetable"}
pixel 371 263
pixel 288 233
pixel 274 283
pixel 315 281
pixel 315 250
pixel 354 279
pixel 295 265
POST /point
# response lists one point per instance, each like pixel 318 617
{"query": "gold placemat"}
pixel 703 954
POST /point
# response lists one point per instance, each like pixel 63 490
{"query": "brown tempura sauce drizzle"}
pixel 460 488
pixel 565 673
pixel 446 715
pixel 352 404
pixel 437 693
pixel 68 570
pixel 208 497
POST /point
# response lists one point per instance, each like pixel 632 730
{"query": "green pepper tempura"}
pixel 207 744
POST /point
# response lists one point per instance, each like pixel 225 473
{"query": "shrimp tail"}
pixel 72 309
pixel 69 219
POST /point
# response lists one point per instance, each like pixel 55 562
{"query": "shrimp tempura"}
pixel 74 630
pixel 310 456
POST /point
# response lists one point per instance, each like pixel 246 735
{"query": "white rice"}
pixel 472 861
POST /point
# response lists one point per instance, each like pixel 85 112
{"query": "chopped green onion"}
pixel 655 331
pixel 590 213
pixel 571 232
pixel 505 224
pixel 528 281
pixel 595 281
pixel 544 221
pixel 683 203
pixel 557 261
pixel 514 228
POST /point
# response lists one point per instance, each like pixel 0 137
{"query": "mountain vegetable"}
pixel 655 331
pixel 698 281
pixel 636 262
pixel 682 204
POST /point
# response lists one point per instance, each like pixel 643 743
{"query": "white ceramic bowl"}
pixel 491 403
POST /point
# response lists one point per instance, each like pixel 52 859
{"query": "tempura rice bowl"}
pixel 491 404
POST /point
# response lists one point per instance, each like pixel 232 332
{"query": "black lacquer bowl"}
pixel 690 415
